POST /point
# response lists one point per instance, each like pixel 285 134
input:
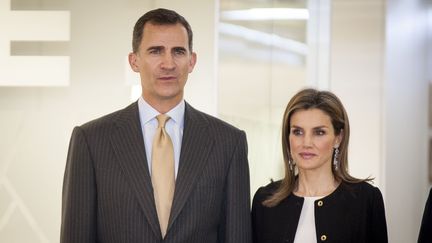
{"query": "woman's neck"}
pixel 315 184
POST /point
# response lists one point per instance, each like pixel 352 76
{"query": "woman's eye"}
pixel 320 132
pixel 296 132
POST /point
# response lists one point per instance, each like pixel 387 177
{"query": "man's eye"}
pixel 155 51
pixel 179 51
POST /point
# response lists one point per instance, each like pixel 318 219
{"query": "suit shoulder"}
pixel 108 119
pixel 214 122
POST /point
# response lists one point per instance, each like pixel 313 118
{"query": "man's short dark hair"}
pixel 159 16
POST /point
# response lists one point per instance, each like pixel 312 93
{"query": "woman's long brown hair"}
pixel 332 106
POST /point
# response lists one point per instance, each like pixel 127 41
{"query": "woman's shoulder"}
pixel 362 185
pixel 362 188
pixel 266 191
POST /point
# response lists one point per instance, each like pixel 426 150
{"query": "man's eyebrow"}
pixel 179 48
pixel 155 48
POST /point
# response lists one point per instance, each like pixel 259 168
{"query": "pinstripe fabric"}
pixel 107 192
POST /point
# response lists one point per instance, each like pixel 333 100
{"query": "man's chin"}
pixel 170 96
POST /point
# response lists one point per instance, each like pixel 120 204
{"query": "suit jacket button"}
pixel 320 203
pixel 323 237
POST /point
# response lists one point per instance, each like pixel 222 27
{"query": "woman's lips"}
pixel 306 155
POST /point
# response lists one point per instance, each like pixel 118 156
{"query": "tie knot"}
pixel 162 119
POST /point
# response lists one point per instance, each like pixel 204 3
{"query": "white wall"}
pixel 36 123
pixel 378 68
pixel 405 117
pixel 356 67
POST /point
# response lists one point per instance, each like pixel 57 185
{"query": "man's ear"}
pixel 133 62
pixel 192 61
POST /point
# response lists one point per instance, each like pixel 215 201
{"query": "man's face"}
pixel 164 62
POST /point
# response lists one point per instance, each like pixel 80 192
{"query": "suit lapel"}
pixel 196 146
pixel 128 144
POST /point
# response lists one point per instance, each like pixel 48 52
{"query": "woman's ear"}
pixel 338 140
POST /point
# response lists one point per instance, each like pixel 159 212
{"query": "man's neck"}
pixel 163 106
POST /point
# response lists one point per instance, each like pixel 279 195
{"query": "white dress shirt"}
pixel 174 128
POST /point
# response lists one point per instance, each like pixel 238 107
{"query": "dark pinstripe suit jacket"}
pixel 108 196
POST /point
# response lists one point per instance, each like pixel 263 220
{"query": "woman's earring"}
pixel 336 158
pixel 291 164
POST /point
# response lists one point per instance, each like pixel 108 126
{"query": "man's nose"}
pixel 168 61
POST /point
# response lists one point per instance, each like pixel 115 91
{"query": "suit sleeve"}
pixel 78 220
pixel 378 226
pixel 236 227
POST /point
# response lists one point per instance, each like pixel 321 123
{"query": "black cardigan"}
pixel 353 213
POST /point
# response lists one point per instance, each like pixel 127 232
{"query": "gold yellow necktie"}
pixel 163 178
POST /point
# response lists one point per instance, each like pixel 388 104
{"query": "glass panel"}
pixel 262 63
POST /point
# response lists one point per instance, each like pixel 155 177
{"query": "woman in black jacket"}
pixel 317 200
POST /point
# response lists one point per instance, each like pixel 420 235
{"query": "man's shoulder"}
pixel 109 119
pixel 216 124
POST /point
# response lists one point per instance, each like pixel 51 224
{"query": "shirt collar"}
pixel 147 112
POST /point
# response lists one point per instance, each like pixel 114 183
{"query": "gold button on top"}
pixel 323 237
pixel 320 203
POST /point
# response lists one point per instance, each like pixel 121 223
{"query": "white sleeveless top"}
pixel 306 232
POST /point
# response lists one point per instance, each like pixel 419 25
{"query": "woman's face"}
pixel 312 139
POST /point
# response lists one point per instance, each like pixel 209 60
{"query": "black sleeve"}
pixel 256 204
pixel 425 235
pixel 378 225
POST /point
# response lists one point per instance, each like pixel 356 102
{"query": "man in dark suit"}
pixel 109 191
